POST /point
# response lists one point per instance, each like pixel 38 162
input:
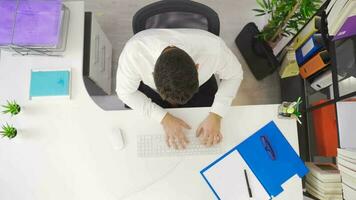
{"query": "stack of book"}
pixel 324 181
pixel 346 161
pixel 342 25
pixel 33 26
pixel 341 18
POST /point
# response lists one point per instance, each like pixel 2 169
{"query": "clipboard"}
pixel 272 173
pixel 225 177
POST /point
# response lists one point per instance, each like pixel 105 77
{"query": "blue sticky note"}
pixel 272 173
pixel 49 83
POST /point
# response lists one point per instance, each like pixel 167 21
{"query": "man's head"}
pixel 176 76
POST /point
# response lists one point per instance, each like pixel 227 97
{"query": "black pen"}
pixel 248 184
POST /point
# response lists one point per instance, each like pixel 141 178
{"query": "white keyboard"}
pixel 155 146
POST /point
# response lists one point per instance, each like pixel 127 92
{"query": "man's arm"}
pixel 140 102
pixel 127 83
pixel 231 75
pixel 229 70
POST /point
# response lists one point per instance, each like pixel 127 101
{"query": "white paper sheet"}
pixel 228 179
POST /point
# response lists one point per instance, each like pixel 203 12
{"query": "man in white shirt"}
pixel 164 68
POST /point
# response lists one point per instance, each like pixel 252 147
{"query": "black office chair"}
pixel 176 14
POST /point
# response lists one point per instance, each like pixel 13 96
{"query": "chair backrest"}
pixel 176 14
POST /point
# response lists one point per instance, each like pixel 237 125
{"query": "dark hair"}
pixel 176 76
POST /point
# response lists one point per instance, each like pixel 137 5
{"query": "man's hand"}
pixel 209 130
pixel 174 127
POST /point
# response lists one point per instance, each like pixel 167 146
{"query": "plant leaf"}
pixel 259 2
pixel 259 10
pixel 265 3
pixel 258 15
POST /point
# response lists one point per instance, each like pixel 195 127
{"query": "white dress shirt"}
pixel 137 61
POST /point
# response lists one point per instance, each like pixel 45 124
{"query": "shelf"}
pixel 347 86
pixel 314 97
pixel 322 91
pixel 345 61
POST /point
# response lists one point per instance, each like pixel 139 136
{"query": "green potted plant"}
pixel 11 107
pixel 8 131
pixel 285 18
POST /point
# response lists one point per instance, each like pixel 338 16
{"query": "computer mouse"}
pixel 117 139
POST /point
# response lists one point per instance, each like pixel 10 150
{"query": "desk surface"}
pixel 63 149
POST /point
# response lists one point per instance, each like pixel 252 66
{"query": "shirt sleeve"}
pixel 127 83
pixel 231 74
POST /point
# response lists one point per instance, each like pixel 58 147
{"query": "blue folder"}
pixel 50 83
pixel 312 46
pixel 271 173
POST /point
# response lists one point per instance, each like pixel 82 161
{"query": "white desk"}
pixel 63 151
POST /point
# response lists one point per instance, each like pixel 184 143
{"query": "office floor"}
pixel 115 18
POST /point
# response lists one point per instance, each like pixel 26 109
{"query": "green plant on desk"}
pixel 8 131
pixel 285 17
pixel 11 107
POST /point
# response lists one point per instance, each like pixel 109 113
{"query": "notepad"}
pixel 53 83
pixel 226 178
